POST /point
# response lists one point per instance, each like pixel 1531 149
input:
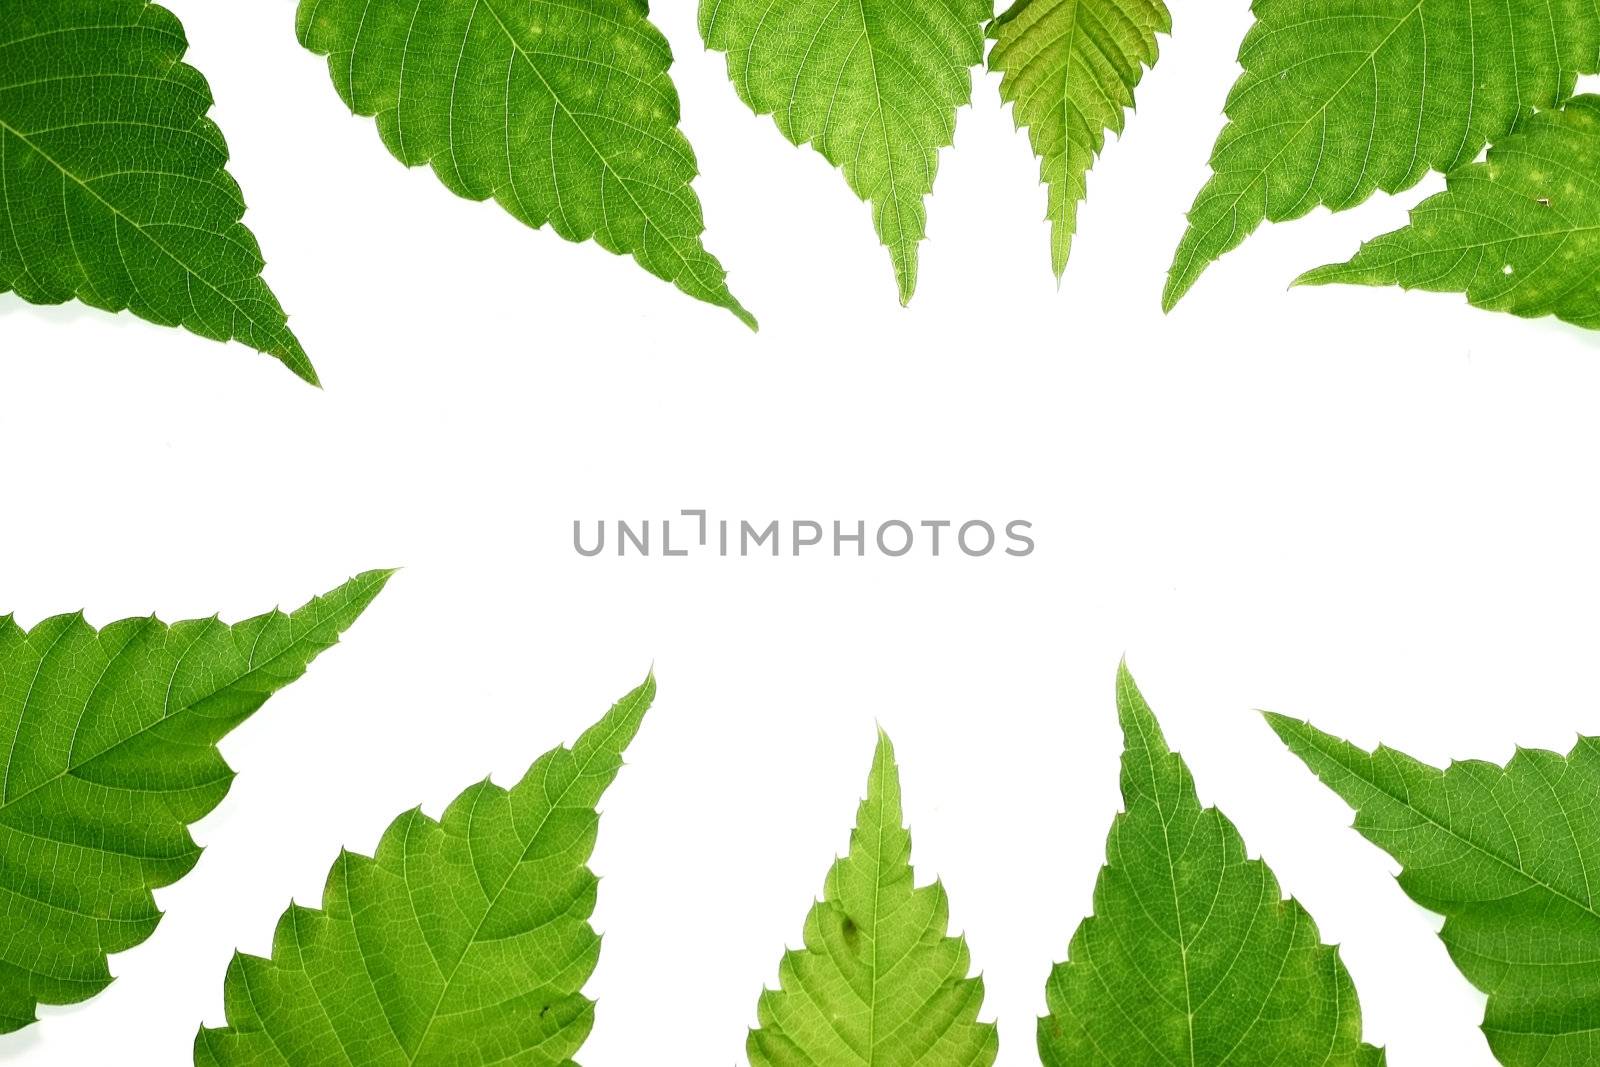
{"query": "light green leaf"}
pixel 1070 68
pixel 879 983
pixel 1340 98
pixel 462 941
pixel 872 85
pixel 1519 232
pixel 112 182
pixel 1505 855
pixel 1192 956
pixel 562 113
pixel 109 741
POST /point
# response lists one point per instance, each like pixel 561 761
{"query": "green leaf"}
pixel 562 113
pixel 462 941
pixel 1070 67
pixel 1505 855
pixel 878 983
pixel 873 85
pixel 109 753
pixel 1519 232
pixel 1192 956
pixel 1340 98
pixel 112 182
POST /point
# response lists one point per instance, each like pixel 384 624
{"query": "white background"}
pixel 1372 509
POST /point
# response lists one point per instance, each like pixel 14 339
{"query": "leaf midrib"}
pixel 1177 906
pixel 877 888
pixel 901 254
pixel 1139 721
pixel 1061 237
pixel 22 713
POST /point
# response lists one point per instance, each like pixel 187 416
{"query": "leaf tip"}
pixel 1182 275
pixel 1125 682
pixel 1171 295
pixel 366 586
pixel 1282 725
pixel 1307 278
pixel 294 357
pixel 905 279
pixel 883 751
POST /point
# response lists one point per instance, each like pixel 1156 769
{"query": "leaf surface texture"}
pixel 878 983
pixel 871 84
pixel 1506 855
pixel 1069 68
pixel 1340 98
pixel 109 752
pixel 1192 956
pixel 113 187
pixel 461 941
pixel 562 113
pixel 1519 232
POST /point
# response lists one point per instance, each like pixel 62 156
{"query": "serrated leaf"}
pixel 109 753
pixel 1069 67
pixel 1192 955
pixel 462 941
pixel 113 187
pixel 874 86
pixel 563 114
pixel 1505 855
pixel 1340 98
pixel 878 984
pixel 1519 232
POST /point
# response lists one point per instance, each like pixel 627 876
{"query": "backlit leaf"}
pixel 1505 854
pixel 562 113
pixel 878 983
pixel 113 187
pixel 1069 67
pixel 1340 98
pixel 1519 232
pixel 1192 956
pixel 873 85
pixel 109 753
pixel 461 941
